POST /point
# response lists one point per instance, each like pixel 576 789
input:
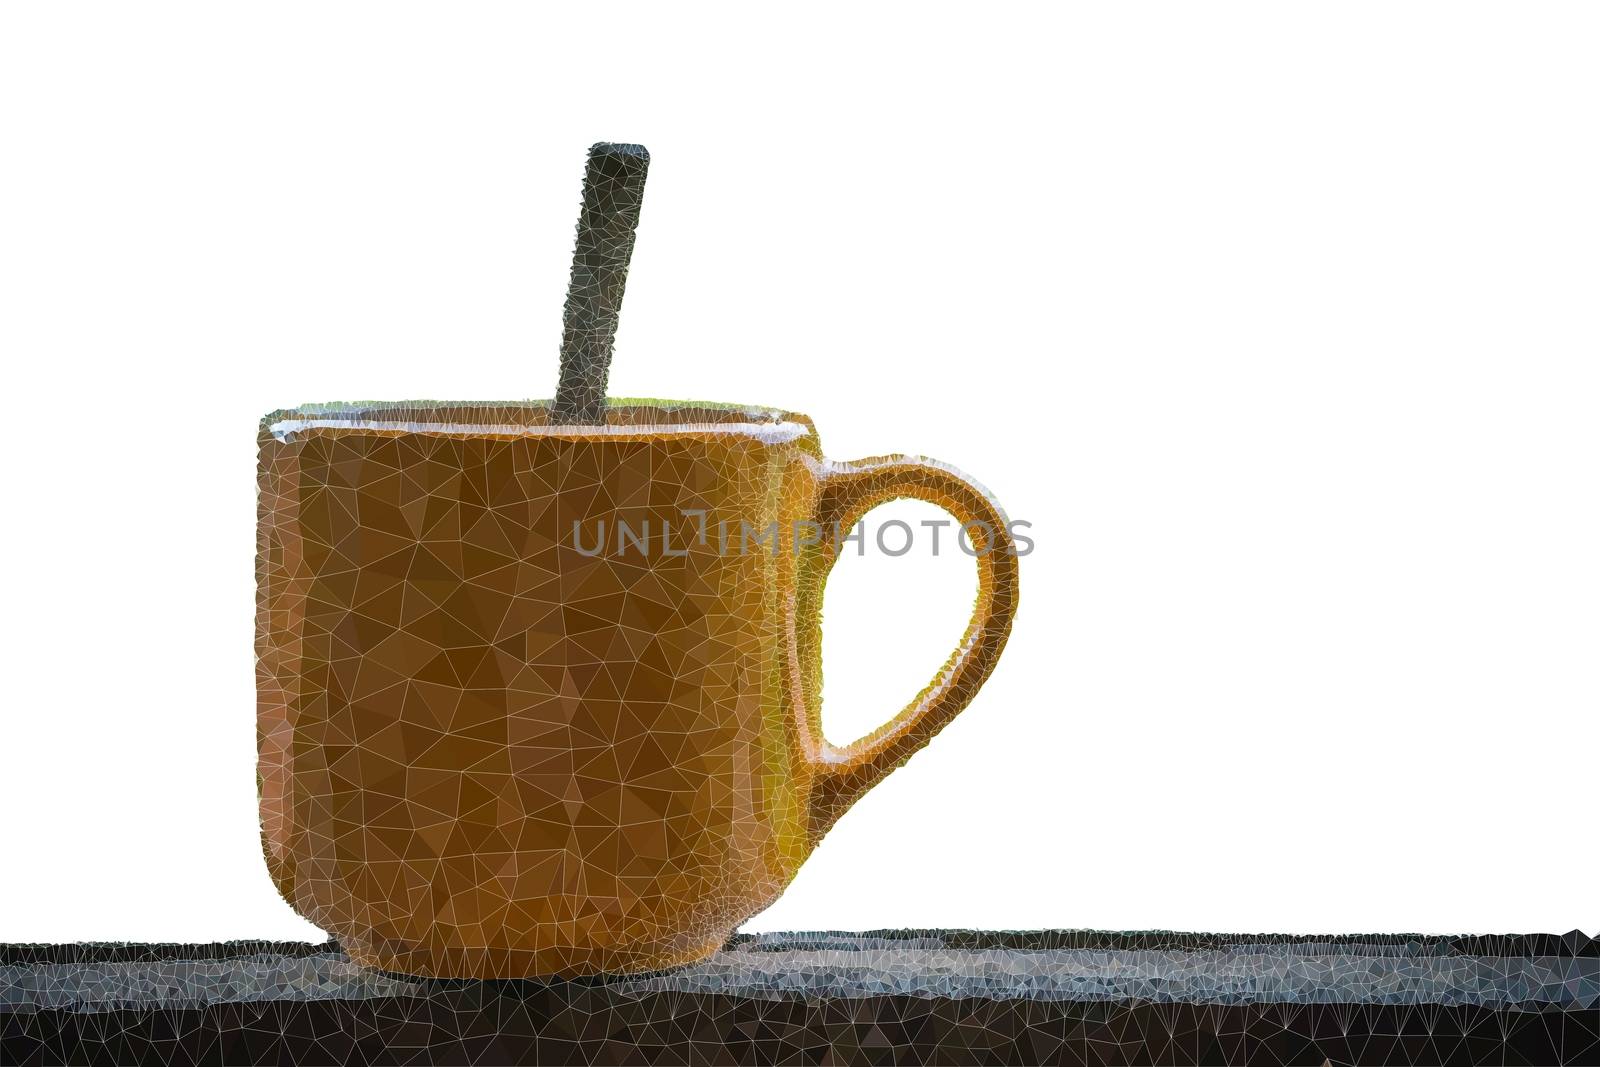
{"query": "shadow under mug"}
pixel 540 700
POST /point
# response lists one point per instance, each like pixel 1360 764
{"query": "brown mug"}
pixel 540 700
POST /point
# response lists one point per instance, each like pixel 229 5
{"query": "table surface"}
pixel 883 996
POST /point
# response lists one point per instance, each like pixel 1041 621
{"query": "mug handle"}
pixel 847 491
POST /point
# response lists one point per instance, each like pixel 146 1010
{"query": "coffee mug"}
pixel 544 700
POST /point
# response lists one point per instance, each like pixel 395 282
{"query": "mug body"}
pixel 528 700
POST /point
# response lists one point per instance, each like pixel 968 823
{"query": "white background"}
pixel 1279 323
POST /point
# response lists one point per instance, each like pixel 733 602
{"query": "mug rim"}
pixel 625 417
